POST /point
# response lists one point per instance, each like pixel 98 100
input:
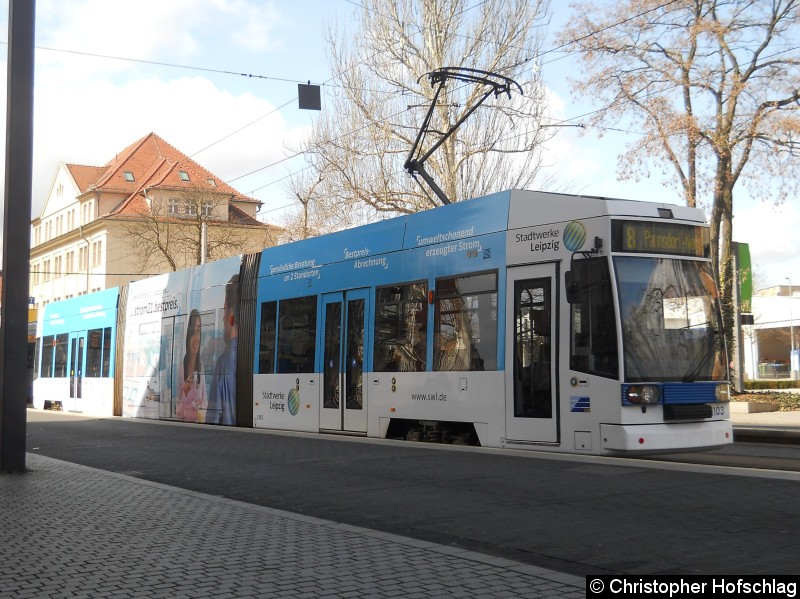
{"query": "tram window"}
pixel 48 350
pixel 297 335
pixel 533 348
pixel 37 354
pixel 593 331
pixel 94 353
pixel 61 355
pixel 266 343
pixel 466 323
pixel 106 371
pixel 401 318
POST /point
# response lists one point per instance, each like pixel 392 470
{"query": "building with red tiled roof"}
pixel 101 226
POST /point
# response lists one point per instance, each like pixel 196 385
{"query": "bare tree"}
pixel 167 233
pixel 359 145
pixel 316 214
pixel 712 85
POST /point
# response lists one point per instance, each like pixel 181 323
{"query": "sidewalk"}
pixel 757 419
pixel 771 427
pixel 71 531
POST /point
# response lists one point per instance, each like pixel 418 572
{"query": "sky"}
pixel 109 72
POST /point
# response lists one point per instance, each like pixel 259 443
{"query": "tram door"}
pixel 172 350
pixel 531 310
pixel 77 348
pixel 344 406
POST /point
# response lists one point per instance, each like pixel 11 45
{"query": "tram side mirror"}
pixel 572 287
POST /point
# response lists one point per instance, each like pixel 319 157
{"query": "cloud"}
pixel 90 124
pixel 87 108
pixel 142 29
pixel 771 232
pixel 254 23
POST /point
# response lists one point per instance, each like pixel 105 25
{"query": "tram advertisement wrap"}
pixel 691 586
pixel 181 345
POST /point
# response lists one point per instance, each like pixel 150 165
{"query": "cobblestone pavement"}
pixel 71 531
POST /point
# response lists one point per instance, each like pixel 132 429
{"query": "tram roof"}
pixel 493 213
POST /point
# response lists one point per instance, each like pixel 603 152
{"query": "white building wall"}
pixel 769 312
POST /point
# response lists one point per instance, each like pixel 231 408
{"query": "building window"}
pixel 208 208
pixel 46 269
pixel 212 182
pixel 191 209
pixel 97 250
pixel 57 266
pixel 129 176
pixel 70 263
pixel 183 175
pixel 84 216
pixel 35 274
pixel 83 258
pixel 37 235
pixel 174 207
pixel 86 213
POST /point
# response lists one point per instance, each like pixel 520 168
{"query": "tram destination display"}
pixel 659 238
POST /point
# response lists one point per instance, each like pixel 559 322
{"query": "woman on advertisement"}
pixel 192 403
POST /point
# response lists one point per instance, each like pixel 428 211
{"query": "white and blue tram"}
pixel 522 319
pixel 75 354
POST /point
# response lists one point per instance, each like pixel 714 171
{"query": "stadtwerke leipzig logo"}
pixel 293 402
pixel 574 235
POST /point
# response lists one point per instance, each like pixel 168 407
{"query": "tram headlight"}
pixel 642 394
pixel 723 392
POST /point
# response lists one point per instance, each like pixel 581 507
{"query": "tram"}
pixel 522 319
pixel 74 358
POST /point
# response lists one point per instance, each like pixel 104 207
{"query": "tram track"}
pixel 750 452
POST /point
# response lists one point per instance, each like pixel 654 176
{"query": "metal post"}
pixel 792 370
pixel 16 235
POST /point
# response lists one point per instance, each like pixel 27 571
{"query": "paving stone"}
pixel 72 531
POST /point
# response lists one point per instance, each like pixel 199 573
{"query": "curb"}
pixel 766 434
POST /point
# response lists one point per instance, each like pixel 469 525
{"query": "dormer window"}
pixel 183 175
pixel 129 176
pixel 212 182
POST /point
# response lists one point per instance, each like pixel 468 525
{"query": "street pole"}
pixel 791 330
pixel 16 235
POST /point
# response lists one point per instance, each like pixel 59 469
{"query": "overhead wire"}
pixel 336 76
pixel 557 48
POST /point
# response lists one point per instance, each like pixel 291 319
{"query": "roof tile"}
pixel 153 163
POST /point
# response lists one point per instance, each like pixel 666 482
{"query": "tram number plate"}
pixel 718 410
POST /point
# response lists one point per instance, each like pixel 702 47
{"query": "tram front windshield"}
pixel 671 328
